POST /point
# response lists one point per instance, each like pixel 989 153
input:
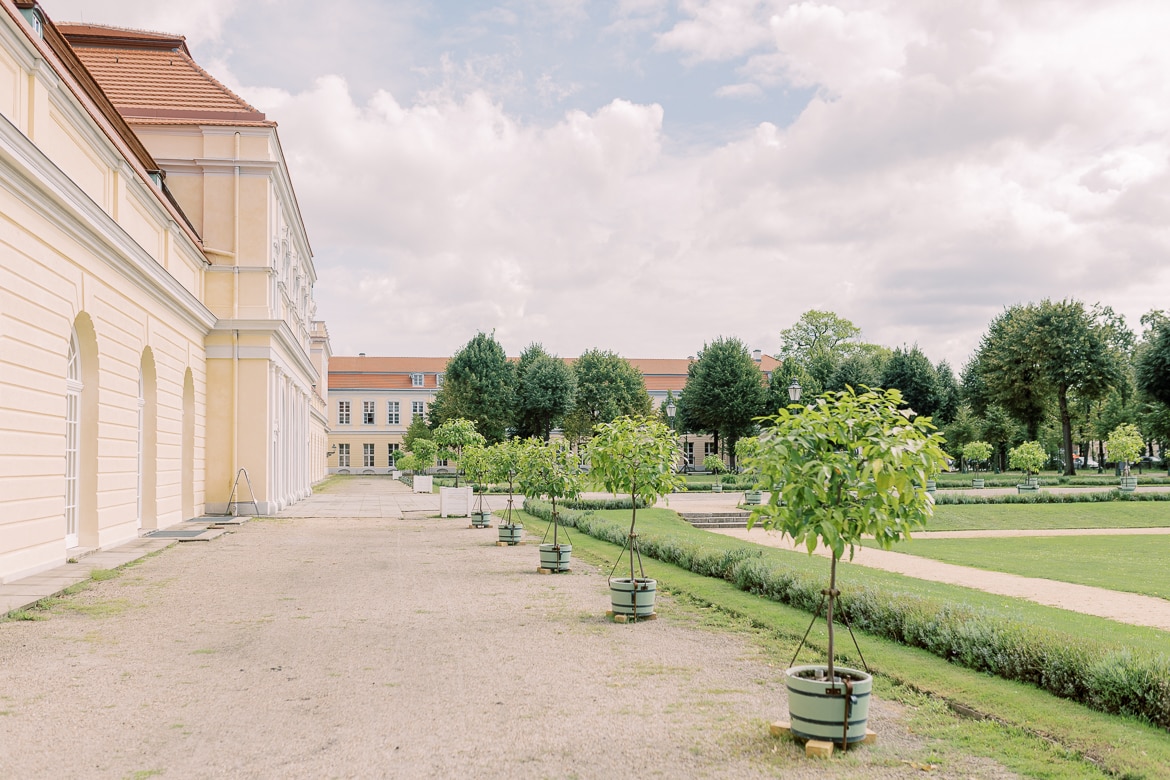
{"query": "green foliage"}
pixel 724 392
pixel 964 427
pixel 1124 444
pixel 1152 365
pixel 480 386
pixel 848 465
pixel 417 429
pixel 817 342
pixel 1029 457
pixel 714 464
pixel 453 436
pixel 1047 497
pixel 1049 351
pixel 608 387
pixel 424 453
pixel 548 469
pixel 863 368
pixel 635 456
pixel 545 390
pixel 476 462
pixel 910 371
pixel 977 452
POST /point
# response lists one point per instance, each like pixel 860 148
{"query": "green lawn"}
pixel 1133 564
pixel 1113 514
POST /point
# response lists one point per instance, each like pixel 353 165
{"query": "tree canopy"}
pixel 480 386
pixel 724 392
pixel 910 371
pixel 608 387
pixel 545 391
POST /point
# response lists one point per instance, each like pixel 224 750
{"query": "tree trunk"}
pixel 1066 432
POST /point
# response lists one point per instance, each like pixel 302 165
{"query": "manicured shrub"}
pixel 1042 497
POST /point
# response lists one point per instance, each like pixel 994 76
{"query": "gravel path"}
pixel 392 646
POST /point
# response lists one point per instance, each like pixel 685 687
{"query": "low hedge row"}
pixel 1101 676
pixel 1044 497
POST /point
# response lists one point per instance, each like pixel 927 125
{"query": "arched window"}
pixel 73 387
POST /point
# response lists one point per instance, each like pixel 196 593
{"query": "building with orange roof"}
pixel 157 325
pixel 372 401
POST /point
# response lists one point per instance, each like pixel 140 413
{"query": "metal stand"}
pixel 234 505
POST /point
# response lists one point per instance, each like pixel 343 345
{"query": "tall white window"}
pixel 416 380
pixel 368 456
pixel 392 452
pixel 689 452
pixel 343 412
pixel 343 456
pixel 709 448
pixel 417 408
pixel 393 414
pixel 72 436
pixel 367 412
pixel 439 379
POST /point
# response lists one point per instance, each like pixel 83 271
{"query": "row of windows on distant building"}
pixel 370 412
pixel 344 455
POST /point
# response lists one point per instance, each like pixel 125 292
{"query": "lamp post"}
pixel 794 391
pixel 671 410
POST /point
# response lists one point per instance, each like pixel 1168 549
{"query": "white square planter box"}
pixel 424 483
pixel 455 502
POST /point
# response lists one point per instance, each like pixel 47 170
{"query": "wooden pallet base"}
pixel 550 571
pixel 473 525
pixel 782 728
pixel 626 618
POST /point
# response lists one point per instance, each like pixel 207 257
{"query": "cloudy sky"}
pixel 647 175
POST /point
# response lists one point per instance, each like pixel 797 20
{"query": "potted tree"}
pixel 977 453
pixel 714 464
pixel 1029 458
pixel 476 463
pixel 452 437
pixel 743 450
pixel 844 467
pixel 635 456
pixel 550 469
pixel 1125 444
pixel 504 460
pixel 424 452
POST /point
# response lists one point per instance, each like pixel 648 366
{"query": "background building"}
pixel 156 311
pixel 372 401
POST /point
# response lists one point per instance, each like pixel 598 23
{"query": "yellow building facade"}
pixel 157 327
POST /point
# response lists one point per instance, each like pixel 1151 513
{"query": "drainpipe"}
pixel 235 317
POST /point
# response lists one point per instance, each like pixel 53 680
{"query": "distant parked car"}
pixel 1150 461
pixel 1081 463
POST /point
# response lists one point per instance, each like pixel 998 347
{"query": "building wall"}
pixel 88 245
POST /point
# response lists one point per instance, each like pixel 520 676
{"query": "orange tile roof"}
pixel 393 373
pixel 151 77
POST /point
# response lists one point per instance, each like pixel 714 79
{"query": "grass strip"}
pixel 1023 728
pixel 1131 564
pixel 1048 497
pixel 1027 517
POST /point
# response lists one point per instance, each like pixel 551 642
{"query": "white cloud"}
pixel 198 20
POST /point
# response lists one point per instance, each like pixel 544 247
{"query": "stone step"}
pixel 716 519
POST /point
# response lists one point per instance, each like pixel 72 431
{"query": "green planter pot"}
pixel 1128 484
pixel 1027 488
pixel 817 709
pixel 481 519
pixel 633 598
pixel 555 557
pixel 511 533
pixel 931 486
pixel 752 497
pixel 977 483
pixel 717 487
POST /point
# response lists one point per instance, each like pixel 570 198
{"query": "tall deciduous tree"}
pixel 1152 364
pixel 608 387
pixel 1048 351
pixel 910 371
pixel 724 392
pixel 544 393
pixel 480 386
pixel 818 341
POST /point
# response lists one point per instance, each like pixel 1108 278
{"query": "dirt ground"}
pixel 389 647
